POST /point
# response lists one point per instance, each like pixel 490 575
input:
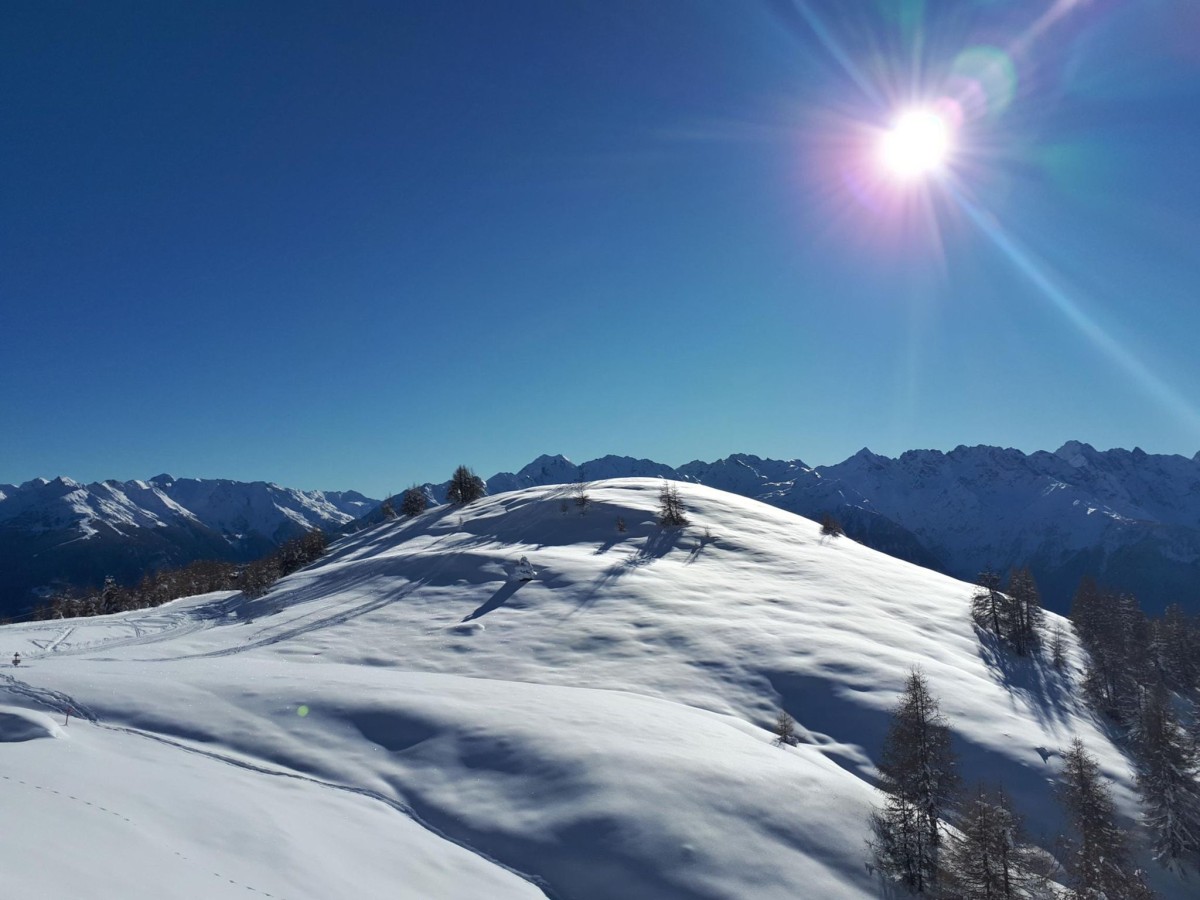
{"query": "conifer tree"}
pixel 918 771
pixel 1168 780
pixel 413 502
pixel 785 730
pixel 465 487
pixel 1177 650
pixel 1058 649
pixel 1086 613
pixel 1022 619
pixel 1116 635
pixel 1096 855
pixel 987 602
pixel 671 513
pixel 991 858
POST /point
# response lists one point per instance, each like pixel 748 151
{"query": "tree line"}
pixel 988 855
pixel 1142 675
pixel 200 577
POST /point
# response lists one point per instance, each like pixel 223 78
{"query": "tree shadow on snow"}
pixel 1045 692
pixel 701 542
pixel 497 599
pixel 657 545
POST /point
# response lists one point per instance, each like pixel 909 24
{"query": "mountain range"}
pixel 1128 518
pixel 59 532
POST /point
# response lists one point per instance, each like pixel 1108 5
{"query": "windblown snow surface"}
pixel 405 719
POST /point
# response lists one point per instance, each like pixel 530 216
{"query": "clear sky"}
pixel 350 245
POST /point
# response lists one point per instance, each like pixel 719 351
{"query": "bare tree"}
pixel 579 490
pixel 1097 851
pixel 785 730
pixel 831 527
pixel 918 772
pixel 671 512
pixel 1058 649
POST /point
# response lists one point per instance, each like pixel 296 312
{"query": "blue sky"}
pixel 350 245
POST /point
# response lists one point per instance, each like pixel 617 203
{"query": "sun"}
pixel 918 144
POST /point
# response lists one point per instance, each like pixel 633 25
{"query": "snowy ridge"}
pixel 406 717
pixel 228 507
pixel 1128 518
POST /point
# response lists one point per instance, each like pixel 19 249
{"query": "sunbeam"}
pixel 1029 266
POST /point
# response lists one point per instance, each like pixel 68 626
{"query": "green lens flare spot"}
pixel 302 711
pixel 983 80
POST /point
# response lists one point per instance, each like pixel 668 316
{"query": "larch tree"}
pixel 1023 620
pixel 785 730
pixel 987 602
pixel 991 857
pixel 1177 649
pixel 1096 853
pixel 1168 779
pixel 671 512
pixel 919 773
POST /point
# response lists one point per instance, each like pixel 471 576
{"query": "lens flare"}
pixel 918 144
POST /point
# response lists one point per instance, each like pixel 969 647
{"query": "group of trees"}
pixel 199 577
pixel 1144 675
pixel 465 487
pixel 987 856
pixel 413 502
pixel 1015 614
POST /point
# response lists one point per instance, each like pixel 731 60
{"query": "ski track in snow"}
pixel 173 626
pixel 53 645
pixel 62 703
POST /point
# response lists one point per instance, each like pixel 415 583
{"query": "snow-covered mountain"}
pixel 1129 518
pixel 405 719
pixel 62 531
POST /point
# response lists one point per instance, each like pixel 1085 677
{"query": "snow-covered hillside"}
pixel 406 719
pixel 1128 518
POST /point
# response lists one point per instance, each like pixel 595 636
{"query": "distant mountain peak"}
pixel 1076 453
pixel 547 462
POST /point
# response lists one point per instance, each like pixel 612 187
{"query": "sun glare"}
pixel 917 144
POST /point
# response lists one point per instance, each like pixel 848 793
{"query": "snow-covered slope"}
pixel 1128 518
pixel 60 530
pixel 406 719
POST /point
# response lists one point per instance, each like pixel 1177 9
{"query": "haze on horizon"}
pixel 341 249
